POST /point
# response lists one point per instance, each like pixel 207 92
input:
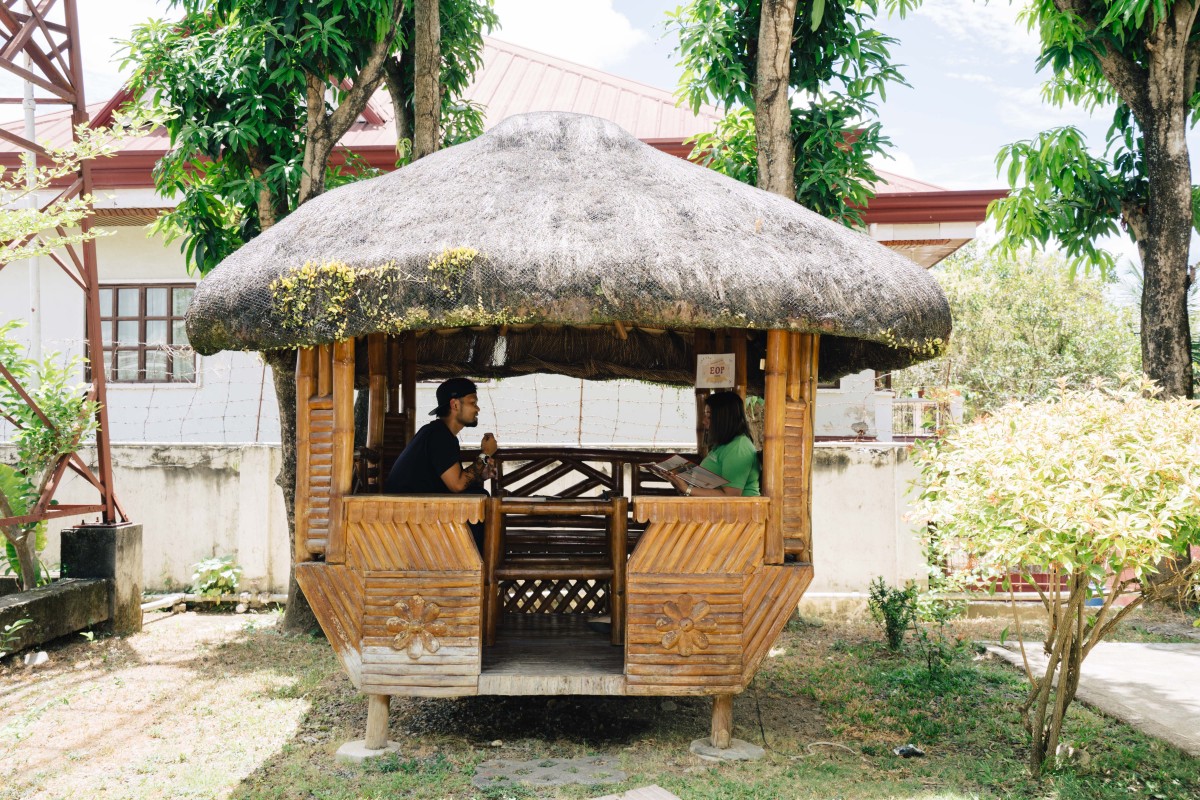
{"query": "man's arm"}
pixel 458 479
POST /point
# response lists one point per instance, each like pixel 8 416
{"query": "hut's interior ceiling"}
pixel 607 352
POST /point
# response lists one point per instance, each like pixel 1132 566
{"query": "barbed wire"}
pixel 231 400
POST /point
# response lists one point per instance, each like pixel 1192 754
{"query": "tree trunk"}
pixel 298 616
pixel 772 107
pixel 318 143
pixel 1166 338
pixel 427 93
pixel 399 80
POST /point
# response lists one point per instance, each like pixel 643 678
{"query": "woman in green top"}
pixel 731 452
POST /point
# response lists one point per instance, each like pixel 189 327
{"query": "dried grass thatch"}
pixel 555 219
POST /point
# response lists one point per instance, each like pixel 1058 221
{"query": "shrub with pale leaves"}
pixel 1093 480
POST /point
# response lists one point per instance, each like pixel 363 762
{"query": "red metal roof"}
pixel 515 80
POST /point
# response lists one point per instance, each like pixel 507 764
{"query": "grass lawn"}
pixel 249 713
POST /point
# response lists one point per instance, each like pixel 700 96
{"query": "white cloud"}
pixel 896 162
pixel 970 77
pixel 587 32
pixel 1024 108
pixel 991 25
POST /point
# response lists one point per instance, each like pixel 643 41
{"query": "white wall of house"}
pixel 200 501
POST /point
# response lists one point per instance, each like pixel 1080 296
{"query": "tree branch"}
pixel 395 69
pixel 1127 77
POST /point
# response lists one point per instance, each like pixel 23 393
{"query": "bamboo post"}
pixel 409 386
pixel 377 721
pixel 378 382
pixel 306 366
pixel 393 374
pixel 722 722
pixel 324 370
pixel 700 345
pixel 773 442
pixel 738 343
pixel 809 376
pixel 343 447
pixel 618 529
pixel 493 552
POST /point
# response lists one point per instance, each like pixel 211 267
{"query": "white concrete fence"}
pixel 197 501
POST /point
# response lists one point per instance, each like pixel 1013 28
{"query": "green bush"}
pixel 214 577
pixel 894 609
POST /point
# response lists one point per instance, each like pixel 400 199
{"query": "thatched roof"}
pixel 555 220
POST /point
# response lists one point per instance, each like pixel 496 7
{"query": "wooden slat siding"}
pixel 318 474
pixel 342 474
pixel 651 668
pixel 772 593
pixel 796 430
pixel 412 533
pixel 306 376
pixel 336 596
pixel 453 670
pixel 775 394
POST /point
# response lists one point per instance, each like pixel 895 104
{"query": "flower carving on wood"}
pixel 416 627
pixel 685 624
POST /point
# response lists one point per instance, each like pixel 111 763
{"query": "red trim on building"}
pixel 916 207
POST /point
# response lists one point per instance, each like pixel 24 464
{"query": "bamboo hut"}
pixel 556 243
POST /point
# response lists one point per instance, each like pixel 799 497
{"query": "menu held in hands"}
pixel 689 473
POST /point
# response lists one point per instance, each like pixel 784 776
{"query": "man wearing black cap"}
pixel 431 463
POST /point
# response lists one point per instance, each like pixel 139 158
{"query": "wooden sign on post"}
pixel 716 371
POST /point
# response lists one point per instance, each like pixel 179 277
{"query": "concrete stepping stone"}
pixel 547 772
pixel 651 792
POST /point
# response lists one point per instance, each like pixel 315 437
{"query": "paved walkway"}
pixel 1154 687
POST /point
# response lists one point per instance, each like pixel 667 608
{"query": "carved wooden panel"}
pixel 771 594
pixel 421 633
pixel 683 634
pixel 335 593
pixel 412 533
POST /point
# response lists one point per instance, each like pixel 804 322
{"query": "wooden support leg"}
pixel 493 552
pixel 618 547
pixel 377 721
pixel 722 721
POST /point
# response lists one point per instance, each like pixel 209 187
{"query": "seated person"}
pixel 432 462
pixel 731 452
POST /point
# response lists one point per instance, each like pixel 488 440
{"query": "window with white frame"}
pixel 143 333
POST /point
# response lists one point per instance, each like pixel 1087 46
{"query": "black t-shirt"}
pixel 419 468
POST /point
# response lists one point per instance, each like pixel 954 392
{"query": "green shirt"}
pixel 737 462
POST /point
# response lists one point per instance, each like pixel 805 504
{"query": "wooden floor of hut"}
pixel 551 654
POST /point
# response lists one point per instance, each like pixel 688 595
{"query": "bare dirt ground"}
pixel 159 714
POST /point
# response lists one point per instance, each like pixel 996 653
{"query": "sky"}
pixel 970 66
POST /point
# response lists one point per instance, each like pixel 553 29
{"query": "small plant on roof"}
pixel 448 270
pixel 1098 488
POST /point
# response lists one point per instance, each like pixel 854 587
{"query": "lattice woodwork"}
pixel 336 595
pixel 563 596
